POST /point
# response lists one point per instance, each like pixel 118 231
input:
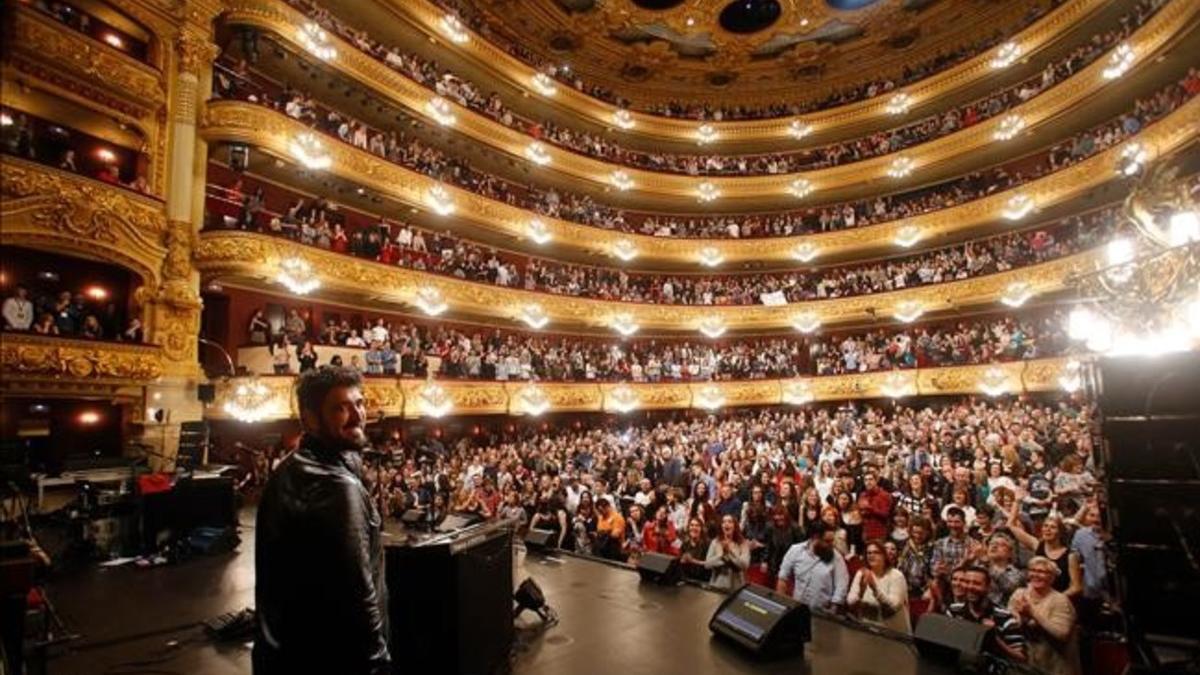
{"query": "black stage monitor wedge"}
pixel 763 622
pixel 951 641
pixel 539 541
pixel 659 569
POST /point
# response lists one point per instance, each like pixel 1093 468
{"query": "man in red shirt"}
pixel 875 506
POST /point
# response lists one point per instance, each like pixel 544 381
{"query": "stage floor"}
pixel 609 623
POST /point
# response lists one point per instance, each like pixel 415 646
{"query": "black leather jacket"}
pixel 320 592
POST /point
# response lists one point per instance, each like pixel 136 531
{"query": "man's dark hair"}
pixel 977 569
pixel 955 511
pixel 817 528
pixel 314 385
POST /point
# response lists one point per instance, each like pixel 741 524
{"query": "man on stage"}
pixel 320 591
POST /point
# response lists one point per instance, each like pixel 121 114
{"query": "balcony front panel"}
pixel 42 364
pixel 272 131
pixel 409 398
pixel 243 255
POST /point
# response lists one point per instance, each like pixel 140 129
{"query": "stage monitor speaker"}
pixel 659 568
pixel 763 622
pixel 412 517
pixel 948 640
pixel 450 601
pixel 206 393
pixel 539 541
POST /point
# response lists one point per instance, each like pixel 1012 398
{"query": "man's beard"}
pixel 351 438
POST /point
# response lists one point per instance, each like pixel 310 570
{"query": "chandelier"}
pixel 907 236
pixel 712 326
pixel 453 27
pixel 1006 55
pixel 621 180
pixel 706 134
pixel 624 324
pixel 316 41
pixel 249 401
pixel 439 108
pixel 539 232
pixel 1009 127
pixel 994 382
pixel 707 192
pixel 537 153
pixel 798 393
pixel 709 397
pixel 711 256
pixel 534 316
pixel 624 249
pixel 434 400
pixel 438 198
pixel 798 129
pixel 533 401
pixel 901 167
pixel 544 84
pixel 1017 206
pixel 298 276
pixel 1143 295
pixel 805 251
pixel 899 104
pixel 897 385
pixel 800 188
pixel 623 119
pixel 623 399
pixel 310 151
pixel 806 322
pixel 430 300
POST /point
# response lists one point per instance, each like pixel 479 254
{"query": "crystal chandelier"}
pixel 315 40
pixel 899 104
pixel 1006 55
pixel 310 151
pixel 1143 295
pixel 439 108
pixel 798 393
pixel 532 400
pixel 621 180
pixel 623 399
pixel 249 400
pixel 709 397
pixel 707 192
pixel 711 256
pixel 539 232
pixel 713 327
pixel 800 188
pixel 806 322
pixel 623 119
pixel 798 129
pixel 624 249
pixel 534 316
pixel 544 84
pixel 453 27
pixel 433 400
pixel 805 251
pixel 298 276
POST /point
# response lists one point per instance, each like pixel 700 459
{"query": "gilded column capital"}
pixel 196 52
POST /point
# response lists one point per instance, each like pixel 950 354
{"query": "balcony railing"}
pixel 39 363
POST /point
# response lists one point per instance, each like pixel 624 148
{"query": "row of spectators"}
pixel 876 86
pixel 320 223
pixel 986 510
pixel 471 352
pixel 67 313
pixel 415 155
pixel 33 138
pixel 879 143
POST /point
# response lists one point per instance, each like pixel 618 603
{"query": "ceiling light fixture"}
pixel 310 151
pixel 249 401
pixel 537 153
pixel 624 324
pixel 624 250
pixel 711 256
pixel 712 327
pixel 798 393
pixel 901 167
pixel 899 104
pixel 1017 207
pixel 907 236
pixel 706 134
pixel 454 29
pixel 1006 55
pixel 807 322
pixel 707 192
pixel 539 232
pixel 624 119
pixel 1120 61
pixel 1017 293
pixel 534 316
pixel 709 397
pixel 544 84
pixel 533 400
pixel 298 276
pixel 434 401
pixel 896 385
pixel 908 311
pixel 623 399
pixel 805 251
pixel 439 108
pixel 798 129
pixel 1071 378
pixel 315 41
pixel 994 382
pixel 114 40
pixel 800 188
pixel 430 300
pixel 438 198
pixel 1009 127
pixel 621 180
pixel 1133 159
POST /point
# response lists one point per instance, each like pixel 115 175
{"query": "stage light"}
pixel 711 256
pixel 310 152
pixel 806 322
pixel 105 155
pixel 315 40
pixel 798 393
pixel 712 327
pixel 624 324
pixel 1006 55
pixel 798 129
pixel 706 134
pixel 89 417
pixel 1017 293
pixel 454 29
pixel 1184 228
pixel 800 188
pixel 907 236
pixel 438 198
pixel 908 311
pixel 624 119
pixel 899 104
pixel 1009 127
pixel 624 249
pixel 298 276
pixel 1120 61
pixel 709 397
pixel 537 153
pixel 96 293
pixel 623 399
pixel 994 382
pixel 6 120
pixel 114 40
pixel 544 84
pixel 533 401
pixel 439 108
pixel 539 232
pixel 805 251
pixel 434 401
pixel 534 316
pixel 1017 207
pixel 621 180
pixel 707 192
pixel 431 301
pixel 901 167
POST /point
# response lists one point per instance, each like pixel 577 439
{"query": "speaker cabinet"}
pixel 658 568
pixel 950 641
pixel 763 622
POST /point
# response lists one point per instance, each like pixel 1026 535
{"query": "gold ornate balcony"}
pixel 244 255
pixel 59 211
pixel 41 365
pixel 394 397
pixel 964 143
pixel 273 132
pixel 82 67
pixel 1044 32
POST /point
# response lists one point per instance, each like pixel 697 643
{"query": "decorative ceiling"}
pixel 748 50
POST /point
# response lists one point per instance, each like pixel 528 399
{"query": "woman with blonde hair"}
pixel 879 592
pixel 1048 620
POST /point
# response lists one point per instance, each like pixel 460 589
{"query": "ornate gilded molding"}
pixel 28 357
pixel 59 211
pixel 1049 105
pixel 394 397
pixel 116 79
pixel 273 131
pixel 1041 34
pixel 257 256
